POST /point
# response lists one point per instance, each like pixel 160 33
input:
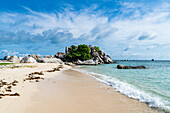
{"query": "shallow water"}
pixel 150 85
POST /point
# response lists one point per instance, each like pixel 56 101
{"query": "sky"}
pixel 123 29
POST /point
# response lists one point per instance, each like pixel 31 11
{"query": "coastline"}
pixel 69 91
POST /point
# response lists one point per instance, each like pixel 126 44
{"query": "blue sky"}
pixel 124 29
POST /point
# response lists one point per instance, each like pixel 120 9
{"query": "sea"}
pixel 151 85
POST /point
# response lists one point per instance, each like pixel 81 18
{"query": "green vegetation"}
pixel 6 63
pixel 81 52
pixel 97 48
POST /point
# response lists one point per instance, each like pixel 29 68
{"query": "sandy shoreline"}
pixel 65 91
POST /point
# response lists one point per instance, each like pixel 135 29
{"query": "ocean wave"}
pixel 129 90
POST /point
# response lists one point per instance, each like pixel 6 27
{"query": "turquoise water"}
pixel 150 85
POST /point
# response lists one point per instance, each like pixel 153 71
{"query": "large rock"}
pixel 87 62
pixel 20 58
pixel 107 59
pixel 99 59
pixel 61 56
pixel 94 54
pixel 97 56
pixel 67 50
pixel 33 56
pixel 101 53
pixel 28 59
pixel 6 57
pixel 92 49
pixel 130 67
pixel 38 56
pixel 14 59
pixel 49 60
pixel 49 56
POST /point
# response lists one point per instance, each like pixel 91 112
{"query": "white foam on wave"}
pixel 128 90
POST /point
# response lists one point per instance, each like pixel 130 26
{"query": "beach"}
pixel 64 91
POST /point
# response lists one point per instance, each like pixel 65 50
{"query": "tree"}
pixel 97 48
pixel 81 52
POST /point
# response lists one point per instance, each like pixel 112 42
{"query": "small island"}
pixel 79 55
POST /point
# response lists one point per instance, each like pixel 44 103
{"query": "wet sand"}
pixel 74 92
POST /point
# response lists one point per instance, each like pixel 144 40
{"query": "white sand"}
pixel 25 89
pixel 64 92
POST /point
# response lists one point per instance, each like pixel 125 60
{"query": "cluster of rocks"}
pixel 6 88
pixel 33 59
pixel 98 57
pixel 39 75
pixel 130 67
pixel 56 69
pixel 34 76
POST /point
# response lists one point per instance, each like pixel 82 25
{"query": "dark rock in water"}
pixel 130 67
pixel 152 60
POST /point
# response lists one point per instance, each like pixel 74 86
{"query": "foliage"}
pixel 81 52
pixel 5 63
pixel 96 48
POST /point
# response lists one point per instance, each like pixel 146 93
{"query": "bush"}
pixel 97 48
pixel 81 52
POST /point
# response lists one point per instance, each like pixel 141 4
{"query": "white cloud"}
pixel 137 27
pixel 11 53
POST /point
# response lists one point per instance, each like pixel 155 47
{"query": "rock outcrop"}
pixel 107 59
pixel 130 67
pixel 6 57
pixel 49 56
pixel 98 57
pixel 20 58
pixel 61 56
pixel 87 62
pixel 14 59
pixel 49 60
pixel 33 56
pixel 81 55
pixel 28 59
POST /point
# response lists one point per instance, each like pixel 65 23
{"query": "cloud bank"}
pixel 134 31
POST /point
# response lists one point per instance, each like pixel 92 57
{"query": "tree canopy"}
pixel 81 52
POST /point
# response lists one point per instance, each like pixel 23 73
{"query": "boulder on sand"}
pixel 49 60
pixel 14 59
pixel 49 56
pixel 61 56
pixel 87 62
pixel 20 58
pixel 28 59
pixel 130 67
pixel 6 57
pixel 38 56
pixel 33 56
